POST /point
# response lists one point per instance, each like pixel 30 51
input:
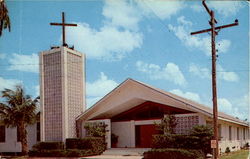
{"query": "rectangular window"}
pixel 238 134
pixel 230 133
pixel 2 133
pixel 244 134
pixel 219 129
pixel 18 135
pixel 38 131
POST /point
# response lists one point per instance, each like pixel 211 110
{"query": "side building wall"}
pixel 12 145
pixel 234 139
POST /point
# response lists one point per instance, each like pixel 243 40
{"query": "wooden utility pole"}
pixel 214 32
pixel 63 24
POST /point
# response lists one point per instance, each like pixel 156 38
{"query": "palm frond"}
pixel 4 17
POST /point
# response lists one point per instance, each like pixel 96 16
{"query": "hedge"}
pixel 175 141
pixel 182 142
pixel 97 144
pixel 75 147
pixel 61 153
pixel 173 154
pixel 48 146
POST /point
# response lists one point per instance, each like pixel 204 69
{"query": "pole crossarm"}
pixel 65 24
pixel 216 28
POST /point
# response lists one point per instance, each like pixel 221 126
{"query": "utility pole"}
pixel 214 32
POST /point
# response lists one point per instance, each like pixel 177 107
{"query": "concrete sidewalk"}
pixel 113 157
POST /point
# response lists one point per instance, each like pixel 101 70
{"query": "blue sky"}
pixel 145 40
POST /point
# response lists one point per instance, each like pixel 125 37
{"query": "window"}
pixel 38 131
pixel 219 129
pixel 230 132
pixel 18 134
pixel 2 133
pixel 244 134
pixel 238 135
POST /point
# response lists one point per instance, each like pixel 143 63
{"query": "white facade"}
pixel 12 145
pixel 237 140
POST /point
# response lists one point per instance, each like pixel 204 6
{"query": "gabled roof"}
pixel 130 93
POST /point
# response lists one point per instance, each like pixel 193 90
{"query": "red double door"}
pixel 143 135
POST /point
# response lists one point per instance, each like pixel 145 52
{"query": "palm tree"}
pixel 18 110
pixel 4 17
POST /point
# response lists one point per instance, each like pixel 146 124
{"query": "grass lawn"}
pixel 241 154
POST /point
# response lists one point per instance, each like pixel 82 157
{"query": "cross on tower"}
pixel 63 24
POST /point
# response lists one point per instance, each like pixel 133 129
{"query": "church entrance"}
pixel 143 135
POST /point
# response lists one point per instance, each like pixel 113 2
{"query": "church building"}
pixel 130 110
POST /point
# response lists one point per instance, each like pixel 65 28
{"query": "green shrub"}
pixel 79 153
pixel 96 144
pixel 75 148
pixel 61 153
pixel 163 141
pixel 198 138
pixel 173 154
pixel 205 135
pixel 167 124
pixel 227 150
pixel 175 141
pixel 47 153
pixel 48 146
pixel 78 143
pixel 246 145
pixel 96 129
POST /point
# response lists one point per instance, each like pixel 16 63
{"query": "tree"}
pixel 18 110
pixel 167 125
pixel 96 129
pixel 205 135
pixel 4 17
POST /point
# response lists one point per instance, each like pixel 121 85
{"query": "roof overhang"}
pixel 131 93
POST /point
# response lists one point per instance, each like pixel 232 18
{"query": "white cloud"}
pixel 161 8
pixel 224 105
pixel 243 103
pixel 99 88
pixel 197 7
pixel 188 95
pixel 183 30
pixel 2 56
pixel 226 8
pixel 120 33
pixel 227 76
pixel 37 90
pixel 117 37
pixel 121 13
pixel 170 72
pixel 108 43
pixel 199 71
pixel 182 20
pixel 92 100
pixel 8 83
pixel 203 72
pixel 223 45
pixel 26 63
